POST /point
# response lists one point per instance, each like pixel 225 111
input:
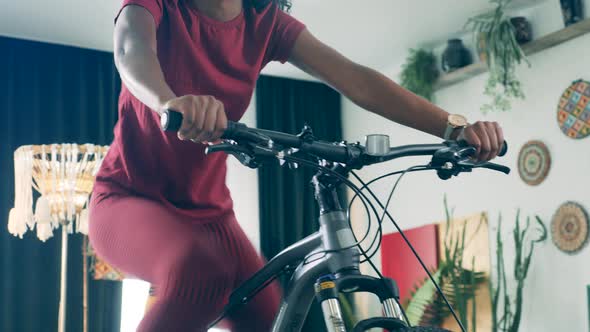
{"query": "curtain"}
pixel 51 94
pixel 288 211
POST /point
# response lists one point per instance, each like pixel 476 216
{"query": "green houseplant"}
pixel 419 73
pixel 507 305
pixel 458 284
pixel 502 55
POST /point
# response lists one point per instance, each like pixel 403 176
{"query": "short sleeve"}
pixel 285 32
pixel 155 7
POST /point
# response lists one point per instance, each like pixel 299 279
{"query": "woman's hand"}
pixel 486 137
pixel 204 118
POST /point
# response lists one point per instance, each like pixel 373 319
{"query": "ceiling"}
pixel 376 33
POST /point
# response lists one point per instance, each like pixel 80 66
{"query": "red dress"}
pixel 160 210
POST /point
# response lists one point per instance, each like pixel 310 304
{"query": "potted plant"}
pixel 507 304
pixel 496 33
pixel 458 284
pixel 419 73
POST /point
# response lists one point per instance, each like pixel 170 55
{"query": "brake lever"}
pixel 244 155
pixel 225 146
pixel 488 165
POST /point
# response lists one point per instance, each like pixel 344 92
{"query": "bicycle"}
pixel 326 263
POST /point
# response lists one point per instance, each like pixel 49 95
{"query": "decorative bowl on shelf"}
pixel 522 29
pixel 455 56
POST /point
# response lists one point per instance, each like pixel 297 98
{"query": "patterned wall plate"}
pixel 569 228
pixel 573 113
pixel 534 162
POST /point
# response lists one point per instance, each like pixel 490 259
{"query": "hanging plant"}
pixel 503 54
pixel 419 73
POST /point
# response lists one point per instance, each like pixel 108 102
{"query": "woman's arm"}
pixel 375 92
pixel 136 57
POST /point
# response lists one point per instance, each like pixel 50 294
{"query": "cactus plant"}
pixel 508 320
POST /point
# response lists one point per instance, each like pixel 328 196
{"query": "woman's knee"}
pixel 191 266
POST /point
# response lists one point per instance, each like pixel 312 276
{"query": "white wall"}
pixel 243 184
pixel 555 296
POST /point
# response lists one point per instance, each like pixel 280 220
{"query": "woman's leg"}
pixel 190 265
pixel 258 315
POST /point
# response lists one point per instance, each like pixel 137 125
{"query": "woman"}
pixel 160 209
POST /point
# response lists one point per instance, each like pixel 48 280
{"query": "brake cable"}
pixel 377 237
pixel 439 291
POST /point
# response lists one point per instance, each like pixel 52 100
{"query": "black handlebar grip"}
pixel 171 120
pixel 504 149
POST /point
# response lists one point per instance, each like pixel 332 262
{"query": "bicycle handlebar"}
pixel 171 121
pixel 354 155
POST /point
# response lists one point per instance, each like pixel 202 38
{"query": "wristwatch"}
pixel 454 121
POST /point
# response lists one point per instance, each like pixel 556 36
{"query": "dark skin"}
pixel 204 116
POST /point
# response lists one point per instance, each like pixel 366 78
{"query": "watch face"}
pixel 457 120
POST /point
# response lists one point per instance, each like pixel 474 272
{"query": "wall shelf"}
pixel 571 32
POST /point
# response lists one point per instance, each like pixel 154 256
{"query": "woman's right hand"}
pixel 204 118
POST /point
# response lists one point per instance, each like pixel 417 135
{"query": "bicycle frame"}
pixel 331 250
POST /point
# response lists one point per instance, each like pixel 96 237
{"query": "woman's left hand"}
pixel 486 137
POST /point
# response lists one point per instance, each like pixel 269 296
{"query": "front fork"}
pixel 327 295
pixel 328 287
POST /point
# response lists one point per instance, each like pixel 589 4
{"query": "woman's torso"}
pixel 198 56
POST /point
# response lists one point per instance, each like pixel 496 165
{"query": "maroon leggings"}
pixel 193 266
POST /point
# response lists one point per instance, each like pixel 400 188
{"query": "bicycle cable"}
pixel 439 291
pixel 358 243
pixel 351 185
pixel 366 203
pixel 379 235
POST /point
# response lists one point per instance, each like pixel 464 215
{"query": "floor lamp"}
pixel 64 176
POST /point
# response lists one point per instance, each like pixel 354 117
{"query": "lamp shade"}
pixel 64 176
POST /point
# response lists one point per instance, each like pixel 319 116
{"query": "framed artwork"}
pixel 534 162
pixel 398 261
pixel 477 246
pixel 573 112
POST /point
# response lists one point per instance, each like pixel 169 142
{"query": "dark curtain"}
pixel 288 211
pixel 51 94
